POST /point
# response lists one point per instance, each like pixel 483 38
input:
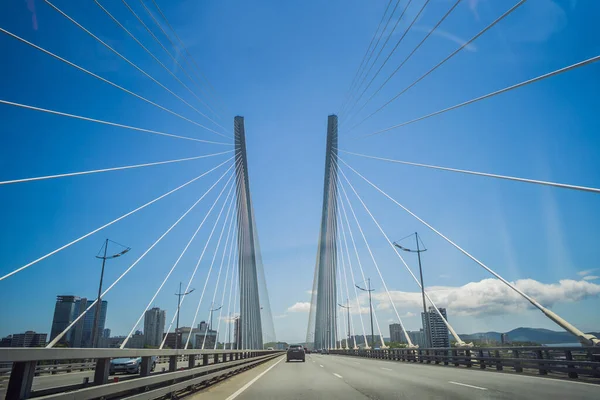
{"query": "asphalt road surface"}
pixel 338 377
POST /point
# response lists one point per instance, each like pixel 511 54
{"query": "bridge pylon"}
pixel 322 326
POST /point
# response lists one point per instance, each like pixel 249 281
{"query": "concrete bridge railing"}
pixel 573 362
pixel 202 366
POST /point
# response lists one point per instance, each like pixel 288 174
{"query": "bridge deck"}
pixel 338 377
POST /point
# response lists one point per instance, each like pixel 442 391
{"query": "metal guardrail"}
pixel 569 361
pixel 202 366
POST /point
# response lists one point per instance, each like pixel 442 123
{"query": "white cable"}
pixel 95 171
pixel 410 344
pixel 132 64
pixel 348 116
pixel 511 178
pixel 152 55
pixel 212 263
pixel 497 20
pixel 452 331
pixel 80 68
pixel 378 329
pixel 414 50
pixel 60 335
pixel 187 54
pixel 497 92
pixel 110 223
pixel 352 331
pixel 174 266
pixel 229 268
pixel 350 265
pixel 103 122
pixel 170 55
pixel 585 338
pixel 224 252
pixel 167 51
pixel 195 269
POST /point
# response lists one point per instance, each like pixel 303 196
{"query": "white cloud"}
pixel 492 297
pixel 301 306
pixel 590 277
pixel 586 272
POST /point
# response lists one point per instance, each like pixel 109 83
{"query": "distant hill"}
pixel 537 335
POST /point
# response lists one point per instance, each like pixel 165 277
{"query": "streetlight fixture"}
pixel 428 338
pixel 369 290
pixel 211 315
pixel 179 294
pixel 99 303
pixel 347 307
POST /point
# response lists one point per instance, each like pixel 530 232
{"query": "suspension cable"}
pixel 94 171
pixel 364 76
pixel 212 263
pixel 590 339
pixel 224 252
pixel 102 79
pixel 60 335
pixel 174 266
pixel 350 262
pixel 452 331
pixel 511 178
pixel 351 326
pixel 132 64
pixel 167 51
pixel 390 53
pixel 103 122
pixel 492 94
pixel 507 13
pixel 196 267
pixel 154 57
pixel 110 223
pixel 188 56
pixel 227 277
pixel 408 56
pixel 408 340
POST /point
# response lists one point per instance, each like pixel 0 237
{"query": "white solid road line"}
pixel 339 376
pixel 247 385
pixel 386 369
pixel 464 384
pixel 321 365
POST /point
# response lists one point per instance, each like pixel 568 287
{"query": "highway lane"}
pixel 339 377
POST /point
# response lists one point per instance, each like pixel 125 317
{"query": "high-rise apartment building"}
pixel 396 333
pixel 66 310
pixel 154 326
pixel 435 328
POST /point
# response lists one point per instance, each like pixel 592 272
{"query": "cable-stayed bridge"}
pixel 227 274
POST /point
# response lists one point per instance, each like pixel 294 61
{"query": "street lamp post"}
pixel 99 302
pixel 428 338
pixel 347 307
pixel 179 294
pixel 369 290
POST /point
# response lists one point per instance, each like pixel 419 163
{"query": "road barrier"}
pixel 202 366
pixel 572 362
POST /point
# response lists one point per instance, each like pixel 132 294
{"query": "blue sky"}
pixel 285 66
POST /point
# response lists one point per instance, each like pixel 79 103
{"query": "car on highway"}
pixel 296 352
pixel 306 350
pixel 324 351
pixel 129 365
pixel 270 348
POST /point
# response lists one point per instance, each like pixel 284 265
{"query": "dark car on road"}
pixel 296 352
